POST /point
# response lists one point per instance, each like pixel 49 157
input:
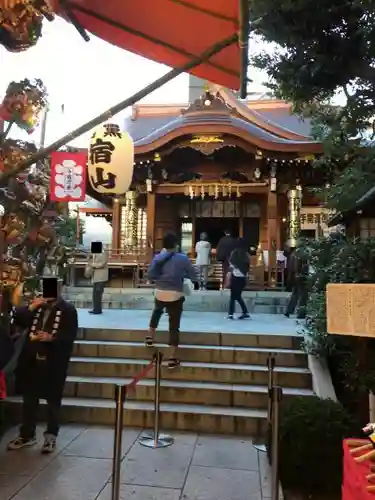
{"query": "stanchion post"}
pixel 120 395
pixel 276 396
pixel 155 439
pixel 271 367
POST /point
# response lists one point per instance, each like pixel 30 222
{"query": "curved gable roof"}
pixel 151 129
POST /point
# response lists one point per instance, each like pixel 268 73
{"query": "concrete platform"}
pixel 192 321
pixel 195 467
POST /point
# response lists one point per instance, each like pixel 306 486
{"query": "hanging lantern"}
pixel 110 160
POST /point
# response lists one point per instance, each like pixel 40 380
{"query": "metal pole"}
pixel 277 396
pixel 271 367
pixel 120 395
pixel 159 360
pixel 155 439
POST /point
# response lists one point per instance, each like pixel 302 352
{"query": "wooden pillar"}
pixel 272 230
pixel 151 205
pixel 193 224
pixel 116 221
pixel 240 225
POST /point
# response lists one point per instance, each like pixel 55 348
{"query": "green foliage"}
pixel 321 46
pixel 311 434
pixel 68 230
pixel 335 260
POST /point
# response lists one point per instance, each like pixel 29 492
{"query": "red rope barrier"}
pixel 146 370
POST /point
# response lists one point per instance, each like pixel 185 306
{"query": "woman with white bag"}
pixel 173 274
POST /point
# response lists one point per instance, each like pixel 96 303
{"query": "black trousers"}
pixel 174 310
pixel 30 409
pixel 298 299
pixel 97 296
pixel 237 286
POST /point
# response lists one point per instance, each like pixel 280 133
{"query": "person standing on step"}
pixel 224 249
pixel 169 269
pixel 239 264
pixel 203 251
pixel 297 282
pixel 98 268
pixel 52 325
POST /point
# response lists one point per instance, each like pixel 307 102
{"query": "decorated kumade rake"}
pixel 365 451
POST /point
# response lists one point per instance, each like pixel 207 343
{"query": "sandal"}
pixel 149 341
pixel 173 363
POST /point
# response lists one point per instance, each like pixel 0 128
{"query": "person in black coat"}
pixel 224 250
pixel 297 278
pixel 42 366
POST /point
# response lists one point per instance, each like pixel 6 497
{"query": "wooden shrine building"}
pixel 216 164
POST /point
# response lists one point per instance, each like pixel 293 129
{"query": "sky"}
pixel 86 78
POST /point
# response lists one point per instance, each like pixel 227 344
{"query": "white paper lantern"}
pixel 110 160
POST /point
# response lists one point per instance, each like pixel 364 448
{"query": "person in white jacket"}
pixel 203 251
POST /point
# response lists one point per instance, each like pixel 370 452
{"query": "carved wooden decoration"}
pixel 210 103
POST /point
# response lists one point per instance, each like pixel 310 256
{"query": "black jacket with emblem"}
pixel 42 366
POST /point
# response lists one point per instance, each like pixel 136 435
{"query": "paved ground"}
pixel 194 468
pixel 192 321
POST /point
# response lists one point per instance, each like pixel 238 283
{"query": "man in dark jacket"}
pixel 52 326
pixel 224 249
pixel 297 275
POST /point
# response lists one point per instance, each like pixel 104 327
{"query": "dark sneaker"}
pixel 19 442
pixel 286 315
pixel 173 363
pixel 230 316
pixel 149 341
pixel 95 312
pixel 244 316
pixel 49 445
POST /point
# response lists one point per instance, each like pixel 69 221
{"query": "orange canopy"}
pixel 171 32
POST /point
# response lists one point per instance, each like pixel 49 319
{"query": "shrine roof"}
pixel 268 123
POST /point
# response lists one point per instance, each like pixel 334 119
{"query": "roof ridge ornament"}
pixel 209 102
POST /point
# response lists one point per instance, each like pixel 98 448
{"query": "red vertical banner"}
pixel 68 176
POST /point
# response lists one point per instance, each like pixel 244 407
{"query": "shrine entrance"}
pixel 215 228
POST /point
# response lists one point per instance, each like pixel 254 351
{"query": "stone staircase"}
pixel 221 386
pixel 268 302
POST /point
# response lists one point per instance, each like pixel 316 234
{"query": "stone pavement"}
pixel 192 321
pixel 195 467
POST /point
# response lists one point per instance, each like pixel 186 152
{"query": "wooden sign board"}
pixel 351 309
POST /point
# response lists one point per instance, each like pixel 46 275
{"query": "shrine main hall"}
pixel 216 164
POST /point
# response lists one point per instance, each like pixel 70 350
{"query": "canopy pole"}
pixel 42 153
pixel 243 42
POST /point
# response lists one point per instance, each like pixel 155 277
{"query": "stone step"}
pixel 248 339
pixel 197 418
pixel 179 391
pixel 192 371
pixel 192 352
pixel 113 304
pixel 272 302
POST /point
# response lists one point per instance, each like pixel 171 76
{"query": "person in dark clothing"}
pixel 42 366
pixel 224 249
pixel 239 263
pixel 297 275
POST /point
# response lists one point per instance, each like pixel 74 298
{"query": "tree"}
pixel 324 49
pixel 321 46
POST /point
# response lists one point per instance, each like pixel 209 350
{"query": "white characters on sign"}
pixel 110 160
pixel 68 180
